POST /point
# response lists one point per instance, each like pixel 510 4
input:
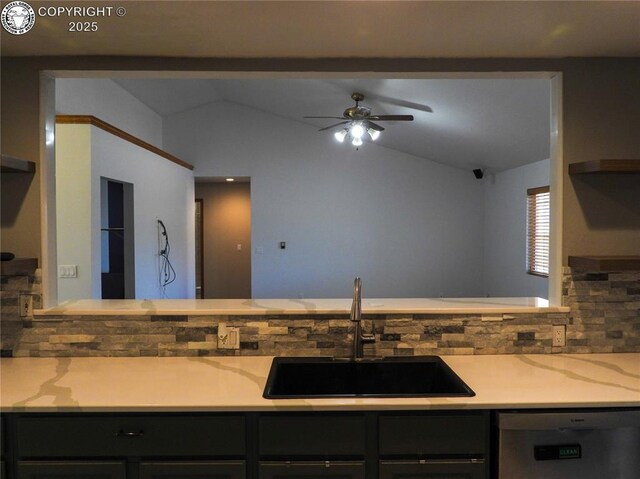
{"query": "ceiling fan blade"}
pixel 373 126
pixel 391 117
pixel 332 117
pixel 334 125
pixel 403 103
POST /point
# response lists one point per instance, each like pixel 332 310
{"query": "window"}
pixel 538 231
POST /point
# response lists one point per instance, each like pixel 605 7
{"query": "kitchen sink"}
pixel 416 376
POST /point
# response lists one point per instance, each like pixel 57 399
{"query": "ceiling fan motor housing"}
pixel 357 112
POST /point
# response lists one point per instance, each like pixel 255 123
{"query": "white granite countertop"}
pixel 302 306
pixel 237 383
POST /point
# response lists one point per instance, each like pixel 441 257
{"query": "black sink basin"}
pixel 417 376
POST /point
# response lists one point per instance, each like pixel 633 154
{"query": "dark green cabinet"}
pixel 193 470
pixel 253 445
pixel 438 434
pixel 133 446
pixel 71 470
pixel 318 435
pixel 312 470
pixel 140 436
pixel 437 445
pixel 435 469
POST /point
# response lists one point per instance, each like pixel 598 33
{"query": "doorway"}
pixel 117 240
pixel 223 209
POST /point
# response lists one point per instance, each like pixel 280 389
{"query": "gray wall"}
pixel 162 190
pixel 505 229
pixel 409 227
pixel 105 99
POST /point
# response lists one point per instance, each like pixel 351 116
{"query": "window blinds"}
pixel 538 231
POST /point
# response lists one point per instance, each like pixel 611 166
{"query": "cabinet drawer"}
pixel 131 436
pixel 443 469
pixel 312 470
pixel 71 470
pixel 193 470
pixel 312 435
pixel 433 435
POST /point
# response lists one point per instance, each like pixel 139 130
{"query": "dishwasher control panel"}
pixel 555 452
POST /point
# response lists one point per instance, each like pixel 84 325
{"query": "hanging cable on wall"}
pixel 167 274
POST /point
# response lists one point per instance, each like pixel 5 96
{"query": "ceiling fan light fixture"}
pixel 357 121
pixel 357 131
pixel 340 135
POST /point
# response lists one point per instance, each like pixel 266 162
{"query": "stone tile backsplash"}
pixel 12 288
pixel 605 311
pixel 318 335
pixel 604 317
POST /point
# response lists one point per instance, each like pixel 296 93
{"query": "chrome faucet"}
pixel 359 338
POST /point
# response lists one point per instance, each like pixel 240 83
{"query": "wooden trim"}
pixel 538 190
pixel 605 263
pixel 605 166
pixel 103 125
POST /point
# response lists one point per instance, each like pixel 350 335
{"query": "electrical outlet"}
pixel 559 335
pixel 26 305
pixel 228 338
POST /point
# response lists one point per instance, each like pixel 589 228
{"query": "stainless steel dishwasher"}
pixel 569 445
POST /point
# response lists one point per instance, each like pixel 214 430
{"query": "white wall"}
pixel 407 226
pixel 161 190
pixel 505 231
pixel 73 216
pixel 105 99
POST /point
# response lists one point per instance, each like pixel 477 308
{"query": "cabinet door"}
pixel 70 470
pixel 312 435
pixel 134 435
pixel 193 470
pixel 312 470
pixel 440 469
pixel 437 434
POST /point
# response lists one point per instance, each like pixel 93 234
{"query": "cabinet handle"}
pixel 122 433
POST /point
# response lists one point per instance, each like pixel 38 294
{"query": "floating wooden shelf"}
pixel 11 164
pixel 18 266
pixel 605 166
pixel 605 263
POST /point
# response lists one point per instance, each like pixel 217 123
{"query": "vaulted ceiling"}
pixel 467 123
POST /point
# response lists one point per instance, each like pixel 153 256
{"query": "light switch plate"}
pixel 67 271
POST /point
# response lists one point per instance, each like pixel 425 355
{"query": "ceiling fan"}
pixel 359 120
